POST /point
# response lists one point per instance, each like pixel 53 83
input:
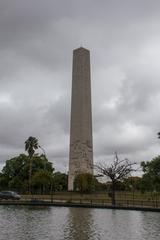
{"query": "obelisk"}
pixel 81 147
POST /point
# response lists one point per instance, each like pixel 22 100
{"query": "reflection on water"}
pixel 80 224
pixel 53 223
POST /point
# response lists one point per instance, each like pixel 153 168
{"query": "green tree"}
pixel 151 176
pixel 14 174
pixel 16 170
pixel 60 181
pixel 84 182
pixel 3 182
pixel 31 144
pixel 42 181
pixel 133 183
pixel 41 162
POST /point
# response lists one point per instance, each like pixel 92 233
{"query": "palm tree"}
pixel 31 144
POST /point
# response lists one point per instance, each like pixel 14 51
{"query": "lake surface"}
pixel 58 223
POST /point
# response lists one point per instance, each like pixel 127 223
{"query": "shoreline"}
pixel 79 205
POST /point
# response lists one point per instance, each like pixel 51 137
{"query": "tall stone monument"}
pixel 81 148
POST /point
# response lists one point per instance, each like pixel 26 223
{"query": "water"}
pixel 60 223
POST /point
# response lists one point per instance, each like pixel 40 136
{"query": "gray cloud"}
pixel 36 43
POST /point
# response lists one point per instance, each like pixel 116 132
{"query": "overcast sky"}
pixel 37 39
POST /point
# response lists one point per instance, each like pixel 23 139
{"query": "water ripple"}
pixel 60 223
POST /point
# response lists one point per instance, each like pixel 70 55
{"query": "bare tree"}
pixel 117 171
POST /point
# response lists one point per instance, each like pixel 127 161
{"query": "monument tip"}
pixel 81 49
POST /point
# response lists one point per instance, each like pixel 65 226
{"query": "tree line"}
pixel 34 173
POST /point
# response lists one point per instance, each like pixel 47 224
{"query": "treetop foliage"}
pixel 151 176
pixel 15 173
pixel 31 144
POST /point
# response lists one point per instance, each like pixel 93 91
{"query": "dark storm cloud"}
pixel 36 42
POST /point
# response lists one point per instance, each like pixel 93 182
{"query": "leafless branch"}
pixel 118 170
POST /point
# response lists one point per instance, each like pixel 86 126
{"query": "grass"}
pixel 149 199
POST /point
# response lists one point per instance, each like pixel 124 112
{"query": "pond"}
pixel 63 223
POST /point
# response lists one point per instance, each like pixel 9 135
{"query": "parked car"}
pixel 9 195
